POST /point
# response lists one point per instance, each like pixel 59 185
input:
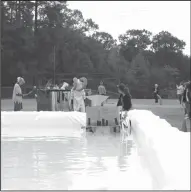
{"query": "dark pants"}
pixel 179 98
pixel 18 106
pixel 187 109
pixel 156 97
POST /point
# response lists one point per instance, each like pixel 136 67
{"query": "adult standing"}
pixel 187 105
pixel 187 99
pixel 101 89
pixel 184 98
pixel 156 94
pixel 180 90
pixel 78 96
pixel 64 97
pixel 17 94
pixel 124 99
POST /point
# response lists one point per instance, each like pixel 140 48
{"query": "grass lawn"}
pixel 170 110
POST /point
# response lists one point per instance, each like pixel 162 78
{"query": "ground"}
pixel 170 110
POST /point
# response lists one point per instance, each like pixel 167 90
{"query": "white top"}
pixel 78 85
pixel 17 90
pixel 64 86
pixel 102 90
pixel 78 95
pixel 180 90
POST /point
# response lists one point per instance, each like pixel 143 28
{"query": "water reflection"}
pixel 91 162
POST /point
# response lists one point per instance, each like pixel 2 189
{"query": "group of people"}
pixel 76 96
pixel 184 97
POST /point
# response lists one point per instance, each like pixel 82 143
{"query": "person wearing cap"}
pixel 124 99
pixel 17 94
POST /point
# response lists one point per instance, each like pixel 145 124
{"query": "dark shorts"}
pixel 18 106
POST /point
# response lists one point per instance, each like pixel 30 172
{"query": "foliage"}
pixel 37 35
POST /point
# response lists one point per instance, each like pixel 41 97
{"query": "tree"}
pixel 105 39
pixel 30 31
pixel 139 76
pixel 90 27
pixel 166 41
pixel 134 42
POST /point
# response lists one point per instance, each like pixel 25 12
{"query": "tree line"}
pixel 37 34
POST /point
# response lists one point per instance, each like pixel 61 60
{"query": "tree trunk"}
pixel 11 12
pixel 18 15
pixel 36 15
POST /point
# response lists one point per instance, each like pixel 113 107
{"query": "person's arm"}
pixel 104 90
pixel 119 101
pixel 187 95
pixel 84 95
pixel 18 90
pixel 98 90
pixel 19 94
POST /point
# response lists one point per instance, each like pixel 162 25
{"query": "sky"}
pixel 116 17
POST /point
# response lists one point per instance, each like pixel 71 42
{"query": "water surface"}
pixel 87 162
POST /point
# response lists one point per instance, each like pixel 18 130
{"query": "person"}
pixel 187 99
pixel 64 86
pixel 119 101
pixel 101 89
pixel 184 98
pixel 124 99
pixel 49 84
pixel 78 94
pixel 17 94
pixel 156 94
pixel 64 97
pixel 180 90
pixel 77 84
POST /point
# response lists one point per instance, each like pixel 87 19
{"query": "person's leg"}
pixel 15 106
pixel 188 109
pixel 184 106
pixel 179 98
pixel 155 97
pixel 18 106
pixel 82 107
pixel 76 105
pixel 160 99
